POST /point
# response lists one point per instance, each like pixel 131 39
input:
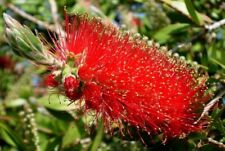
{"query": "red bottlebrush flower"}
pixel 122 77
pixel 126 79
pixel 50 81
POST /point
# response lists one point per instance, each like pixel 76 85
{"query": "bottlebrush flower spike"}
pixel 128 80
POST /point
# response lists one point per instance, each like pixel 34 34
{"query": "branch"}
pixel 54 10
pixel 31 18
pixel 209 28
pixel 215 25
pixel 54 13
pixel 218 144
pixel 210 105
pixel 5 118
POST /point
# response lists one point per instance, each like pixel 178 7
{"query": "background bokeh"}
pixel 34 118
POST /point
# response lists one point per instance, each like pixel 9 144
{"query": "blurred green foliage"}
pixel 35 118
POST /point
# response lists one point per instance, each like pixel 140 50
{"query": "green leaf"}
pixel 54 144
pixel 217 122
pixel 71 135
pixel 216 55
pixel 192 11
pixel 98 138
pixel 56 102
pixel 12 137
pixel 164 34
pixel 187 9
pixel 15 103
pixel 6 137
pixel 51 124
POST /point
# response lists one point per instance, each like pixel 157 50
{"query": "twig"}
pixel 54 13
pixel 215 25
pixel 5 118
pixel 45 130
pixel 214 142
pixel 182 44
pixel 31 18
pixel 210 105
pixel 53 7
pixel 207 28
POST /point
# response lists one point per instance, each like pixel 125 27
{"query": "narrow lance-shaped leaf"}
pixel 192 12
pixel 14 137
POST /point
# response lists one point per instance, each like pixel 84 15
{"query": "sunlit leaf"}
pixel 181 7
pixel 15 103
pixel 72 135
pixel 56 102
pixel 164 34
